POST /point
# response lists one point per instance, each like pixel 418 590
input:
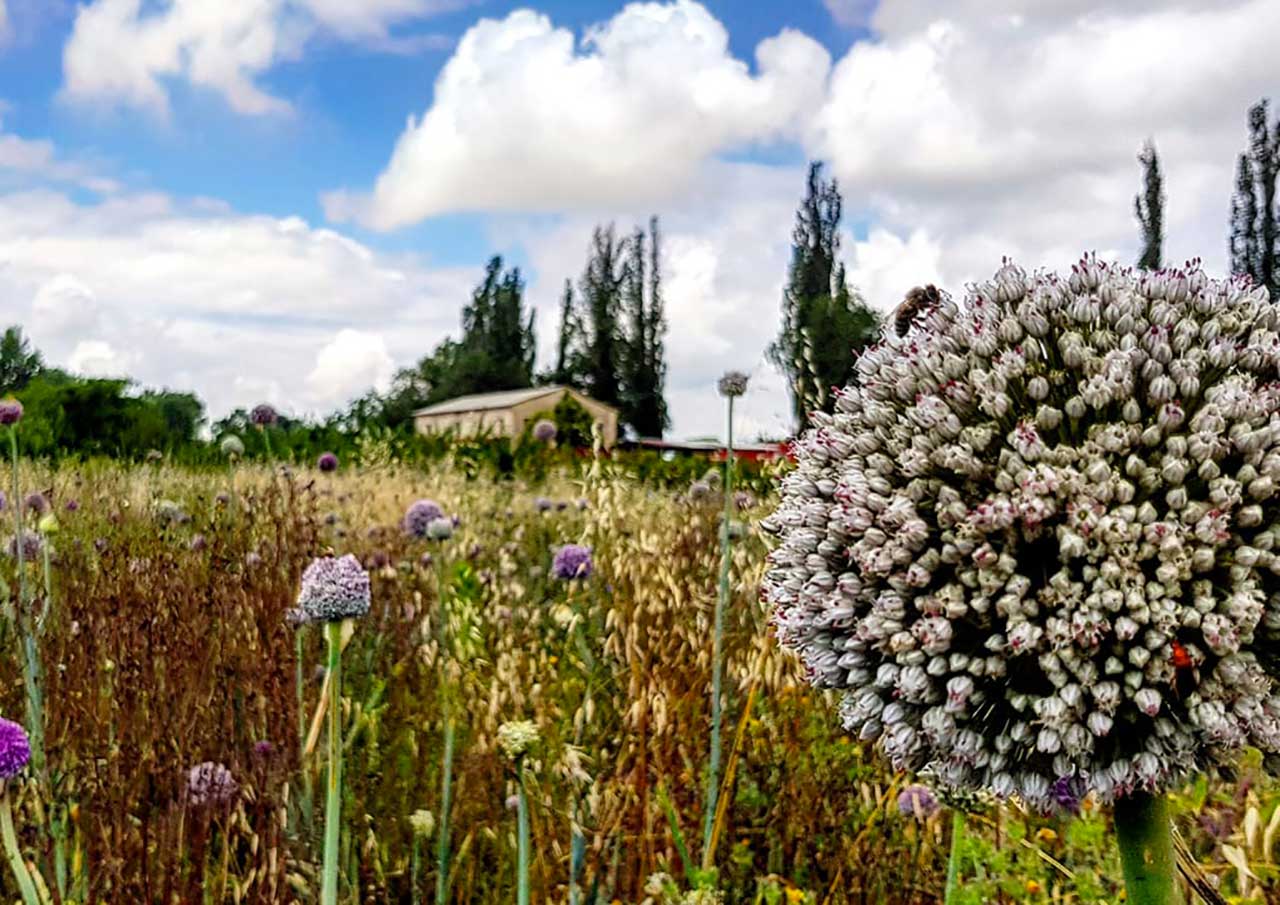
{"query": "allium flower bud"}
pixel 1036 544
pixel 732 384
pixel 327 462
pixel 544 431
pixel 10 412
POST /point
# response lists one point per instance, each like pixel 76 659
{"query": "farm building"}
pixel 505 414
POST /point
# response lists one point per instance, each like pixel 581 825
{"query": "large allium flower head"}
pixel 211 785
pixel 170 513
pixel 572 561
pixel 232 446
pixel 733 384
pixel 516 738
pixel 334 588
pixel 440 528
pixel 419 516
pixel 544 431
pixel 1039 536
pixel 15 749
pixel 328 462
pixel 264 415
pixel 10 412
pixel 36 502
pixel 917 801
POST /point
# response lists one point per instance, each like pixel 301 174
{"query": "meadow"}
pixel 167 644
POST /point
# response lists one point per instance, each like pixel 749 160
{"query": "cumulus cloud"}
pixel 121 52
pixel 851 13
pixel 351 363
pixel 239 308
pixel 524 117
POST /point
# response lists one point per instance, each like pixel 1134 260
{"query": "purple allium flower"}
pixel 419 515
pixel 572 561
pixel 264 415
pixel 10 411
pixel 512 802
pixel 425 560
pixel 733 383
pixel 1067 792
pixel 15 749
pixel 583 504
pixel 331 518
pixel 561 506
pixel 198 543
pixel 72 506
pixel 296 617
pixel 379 559
pixel 699 491
pixel 100 544
pixel 222 499
pixel 334 588
pixel 544 431
pixel 327 462
pixel 542 504
pixel 31 546
pixel 4 501
pixel 456 520
pixel 36 502
pixel 917 801
pixel 743 499
pixel 263 748
pixel 211 784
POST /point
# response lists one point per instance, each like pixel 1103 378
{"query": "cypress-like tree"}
pixel 644 362
pixel 497 348
pixel 1255 233
pixel 567 371
pixel 823 320
pixel 1148 206
pixel 601 300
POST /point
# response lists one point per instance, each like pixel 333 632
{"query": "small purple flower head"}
pixel 328 462
pixel 1067 792
pixel 223 499
pixel 583 504
pixel 512 802
pixel 252 559
pixel 733 383
pixel 210 784
pixel 334 588
pixel 4 501
pixel 263 748
pixel 419 516
pixel 264 415
pixel 36 502
pixel 72 506
pixel 296 617
pixel 15 749
pixel 10 412
pixel 379 559
pixel 31 546
pixel 917 801
pixel 198 543
pixel 544 431
pixel 572 561
pixel 425 560
pixel 542 504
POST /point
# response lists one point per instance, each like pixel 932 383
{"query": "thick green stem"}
pixel 16 862
pixel 446 791
pixel 953 861
pixel 333 803
pixel 717 655
pixel 522 841
pixel 1144 833
pixel 30 645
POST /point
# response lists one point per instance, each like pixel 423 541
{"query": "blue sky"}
pixel 288 199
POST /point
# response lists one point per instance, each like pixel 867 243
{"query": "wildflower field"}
pixel 184 735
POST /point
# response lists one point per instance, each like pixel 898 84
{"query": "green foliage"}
pixel 823 321
pixel 644 368
pixel 1148 207
pixel 1255 230
pixel 19 363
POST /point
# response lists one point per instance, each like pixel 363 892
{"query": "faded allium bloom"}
pixel 334 588
pixel 423 823
pixel 10 412
pixel 36 502
pixel 572 561
pixel 263 748
pixel 544 431
pixel 15 749
pixel 252 559
pixel 170 513
pixel 212 785
pixel 542 504
pixel 440 528
pixel 917 801
pixel 264 415
pixel 419 515
pixel 516 738
pixel 1037 544
pixel 328 462
pixel 232 446
pixel 733 383
pixel 198 542
pixel 32 544
pixel 700 491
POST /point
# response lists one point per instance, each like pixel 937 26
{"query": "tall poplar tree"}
pixel 1148 207
pixel 644 361
pixel 1255 220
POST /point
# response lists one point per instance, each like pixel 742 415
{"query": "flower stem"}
pixel 30 645
pixel 446 790
pixel 953 861
pixel 20 873
pixel 522 842
pixel 717 655
pixel 1143 831
pixel 333 804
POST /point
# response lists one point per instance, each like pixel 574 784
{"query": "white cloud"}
pixel 1011 128
pixel 4 21
pixel 851 13
pixel 235 307
pixel 350 364
pixel 122 53
pixel 37 160
pixel 525 118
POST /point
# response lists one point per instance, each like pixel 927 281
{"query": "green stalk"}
pixel 446 790
pixel 415 869
pixel 16 862
pixel 1143 831
pixel 31 651
pixel 333 804
pixel 953 861
pixel 522 839
pixel 717 667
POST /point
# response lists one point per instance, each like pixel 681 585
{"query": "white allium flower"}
pixel 516 738
pixel 1035 545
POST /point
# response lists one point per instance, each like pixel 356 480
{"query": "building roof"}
pixel 483 402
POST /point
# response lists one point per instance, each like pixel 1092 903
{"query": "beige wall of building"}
pixel 510 421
